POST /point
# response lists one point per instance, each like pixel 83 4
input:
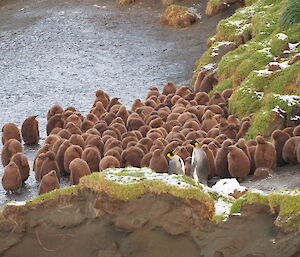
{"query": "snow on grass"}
pixel 134 175
pixel 291 100
pixel 16 203
pixel 293 46
pixel 210 66
pixel 281 36
pixel 221 192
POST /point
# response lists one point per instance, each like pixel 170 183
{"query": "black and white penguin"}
pixel 175 164
pixel 199 165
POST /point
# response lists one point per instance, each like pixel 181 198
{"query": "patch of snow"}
pixel 266 50
pixel 222 207
pixel 263 72
pixel 257 191
pixel 228 186
pixel 296 117
pixel 124 177
pixel 281 36
pixel 210 66
pixel 293 46
pixel 16 203
pixel 279 111
pixel 241 29
pixel 284 65
pixel 235 23
pixel 289 99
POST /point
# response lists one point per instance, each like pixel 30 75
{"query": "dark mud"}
pixel 63 51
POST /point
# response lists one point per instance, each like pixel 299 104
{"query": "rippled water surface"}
pixel 63 51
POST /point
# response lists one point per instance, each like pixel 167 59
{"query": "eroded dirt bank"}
pixel 93 224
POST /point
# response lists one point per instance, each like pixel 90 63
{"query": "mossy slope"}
pixel 263 40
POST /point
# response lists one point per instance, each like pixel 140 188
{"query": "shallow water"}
pixel 63 51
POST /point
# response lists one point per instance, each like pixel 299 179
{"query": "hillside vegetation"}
pixel 264 67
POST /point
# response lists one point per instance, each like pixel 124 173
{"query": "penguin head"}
pixel 170 154
pixel 194 143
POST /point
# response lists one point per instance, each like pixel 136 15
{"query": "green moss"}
pixel 97 182
pixel 220 87
pixel 291 13
pixel 237 205
pixel 260 123
pixel 219 218
pixel 257 61
pixel 279 43
pixel 244 101
pixel 285 203
pixel 53 194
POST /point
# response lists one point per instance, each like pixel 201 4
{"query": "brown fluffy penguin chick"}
pixel 55 109
pixel 94 140
pixel 209 121
pixel 251 150
pixel 238 163
pixel 243 130
pixel 211 161
pixel 60 156
pixel 101 96
pixel 77 140
pixel 64 134
pixel 158 162
pixel 116 152
pixel 75 119
pixel 280 138
pixel 145 162
pixel 78 169
pixel 137 104
pixel 49 183
pixel 187 165
pixel 11 147
pixel 221 161
pixel 289 153
pixel 134 122
pixel 108 162
pixel 72 152
pixel 153 91
pixel 98 110
pixel 55 121
pixel 183 91
pixel 233 119
pixel 38 165
pixel 217 98
pixel 49 164
pixel 57 144
pixel 201 98
pixel 11 179
pixel 30 130
pixel 10 131
pixel 92 157
pixel 227 93
pixel 265 154
pixel 170 88
pixel 296 131
pixel 73 129
pixel 132 156
pixel 21 161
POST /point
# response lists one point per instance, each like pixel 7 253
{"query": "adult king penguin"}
pixel 199 165
pixel 175 164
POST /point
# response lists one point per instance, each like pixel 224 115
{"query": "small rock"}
pixel 261 173
pixel 273 66
pixel 178 16
pixel 294 59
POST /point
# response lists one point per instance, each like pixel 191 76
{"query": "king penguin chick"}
pixel 175 164
pixel 199 165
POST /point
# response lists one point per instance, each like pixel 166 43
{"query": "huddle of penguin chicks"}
pixel 177 131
